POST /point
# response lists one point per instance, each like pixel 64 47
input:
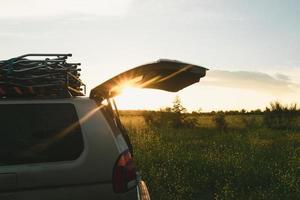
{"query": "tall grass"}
pixel 205 163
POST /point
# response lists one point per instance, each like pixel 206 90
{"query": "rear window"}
pixel 34 133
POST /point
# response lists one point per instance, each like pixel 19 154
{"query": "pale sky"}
pixel 251 47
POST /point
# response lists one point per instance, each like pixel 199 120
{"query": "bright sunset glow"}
pixel 137 98
pixel 207 97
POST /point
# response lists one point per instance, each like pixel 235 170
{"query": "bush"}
pixel 220 121
pixel 174 117
pixel 165 118
pixel 278 116
pixel 162 118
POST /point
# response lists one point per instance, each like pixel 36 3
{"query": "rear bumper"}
pixel 142 190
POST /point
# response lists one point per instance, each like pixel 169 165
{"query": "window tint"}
pixel 33 133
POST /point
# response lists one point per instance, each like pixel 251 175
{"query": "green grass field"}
pixel 246 162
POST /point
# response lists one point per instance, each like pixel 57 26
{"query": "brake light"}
pixel 124 173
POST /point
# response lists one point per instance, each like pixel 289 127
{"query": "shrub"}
pixel 220 121
pixel 174 117
pixel 169 119
pixel 162 118
pixel 278 116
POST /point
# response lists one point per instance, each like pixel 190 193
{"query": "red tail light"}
pixel 124 174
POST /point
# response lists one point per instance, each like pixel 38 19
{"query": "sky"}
pixel 251 47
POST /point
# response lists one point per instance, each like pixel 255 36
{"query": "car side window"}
pixel 35 133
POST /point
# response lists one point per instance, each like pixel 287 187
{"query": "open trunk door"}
pixel 168 75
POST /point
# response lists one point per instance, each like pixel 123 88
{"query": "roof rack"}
pixel 48 75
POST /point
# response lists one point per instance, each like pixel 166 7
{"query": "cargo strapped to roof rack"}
pixel 48 75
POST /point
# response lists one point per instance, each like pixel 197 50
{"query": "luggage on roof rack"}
pixel 48 75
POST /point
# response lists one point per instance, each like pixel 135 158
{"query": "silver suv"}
pixel 69 147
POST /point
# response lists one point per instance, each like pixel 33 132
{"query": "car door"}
pixel 168 75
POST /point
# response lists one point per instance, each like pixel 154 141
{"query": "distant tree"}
pixel 243 111
pixel 177 106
